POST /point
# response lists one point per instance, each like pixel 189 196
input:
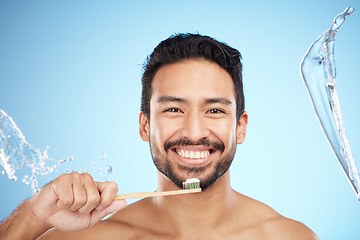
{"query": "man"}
pixel 192 115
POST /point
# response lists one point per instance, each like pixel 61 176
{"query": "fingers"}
pixel 74 201
pixel 79 192
pixel 108 191
pixel 91 193
pixel 114 206
pixel 63 189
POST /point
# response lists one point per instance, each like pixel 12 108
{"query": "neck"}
pixel 205 210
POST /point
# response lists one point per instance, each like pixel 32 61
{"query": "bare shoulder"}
pixel 266 223
pixel 285 228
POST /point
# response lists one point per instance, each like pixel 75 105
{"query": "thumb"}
pixel 113 207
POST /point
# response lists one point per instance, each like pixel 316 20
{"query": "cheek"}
pixel 161 131
pixel 225 131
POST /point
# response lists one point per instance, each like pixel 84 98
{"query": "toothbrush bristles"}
pixel 192 183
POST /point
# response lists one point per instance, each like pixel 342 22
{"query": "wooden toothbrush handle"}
pixel 154 194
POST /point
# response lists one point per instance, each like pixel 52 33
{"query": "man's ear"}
pixel 241 128
pixel 144 127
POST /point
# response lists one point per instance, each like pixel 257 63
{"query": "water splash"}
pixel 16 153
pixel 319 74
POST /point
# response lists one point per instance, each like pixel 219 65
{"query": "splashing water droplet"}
pixel 340 19
pixel 109 169
pixel 16 153
pixel 319 78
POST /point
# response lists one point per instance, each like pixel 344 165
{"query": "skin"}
pixel 219 212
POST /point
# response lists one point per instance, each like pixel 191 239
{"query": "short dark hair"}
pixel 193 46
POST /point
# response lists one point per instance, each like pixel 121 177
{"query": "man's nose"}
pixel 195 127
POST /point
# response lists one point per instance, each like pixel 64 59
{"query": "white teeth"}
pixel 187 154
pixel 182 152
pixel 193 154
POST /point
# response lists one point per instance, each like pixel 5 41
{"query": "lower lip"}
pixel 192 162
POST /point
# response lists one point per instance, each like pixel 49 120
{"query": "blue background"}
pixel 70 78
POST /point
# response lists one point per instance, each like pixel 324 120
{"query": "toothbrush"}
pixel 189 186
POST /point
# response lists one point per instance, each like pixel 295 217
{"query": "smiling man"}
pixel 193 118
pixel 192 115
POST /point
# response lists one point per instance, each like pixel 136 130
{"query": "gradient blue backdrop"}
pixel 70 78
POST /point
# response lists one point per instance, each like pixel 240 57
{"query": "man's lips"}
pixel 190 145
pixel 194 153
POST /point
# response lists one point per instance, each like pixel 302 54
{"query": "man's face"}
pixel 193 130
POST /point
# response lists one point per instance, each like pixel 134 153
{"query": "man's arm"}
pixel 22 224
pixel 71 202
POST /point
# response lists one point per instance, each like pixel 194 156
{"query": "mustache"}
pixel 188 142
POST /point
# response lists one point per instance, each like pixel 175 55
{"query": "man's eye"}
pixel 215 111
pixel 172 110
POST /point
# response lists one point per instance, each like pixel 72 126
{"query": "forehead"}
pixel 193 79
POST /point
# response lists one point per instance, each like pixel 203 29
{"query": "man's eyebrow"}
pixel 221 100
pixel 170 99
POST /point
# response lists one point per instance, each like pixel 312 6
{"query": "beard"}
pixel 167 168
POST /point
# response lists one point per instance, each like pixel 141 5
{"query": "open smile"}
pixel 193 156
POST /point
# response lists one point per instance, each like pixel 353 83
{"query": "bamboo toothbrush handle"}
pixel 154 194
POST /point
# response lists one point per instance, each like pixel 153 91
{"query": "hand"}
pixel 73 202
